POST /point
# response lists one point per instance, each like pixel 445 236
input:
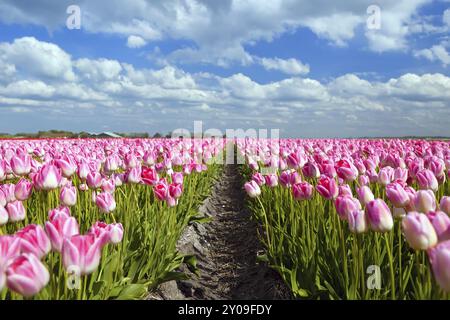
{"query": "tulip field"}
pixel 353 219
pixel 96 219
pixel 338 219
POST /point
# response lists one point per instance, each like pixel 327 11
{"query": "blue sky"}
pixel 310 69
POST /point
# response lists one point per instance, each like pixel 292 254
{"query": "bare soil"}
pixel 226 250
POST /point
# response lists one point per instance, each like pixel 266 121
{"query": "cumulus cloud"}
pixel 288 66
pixel 435 53
pixel 221 30
pixel 105 91
pixel 135 42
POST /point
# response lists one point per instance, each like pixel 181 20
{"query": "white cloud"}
pixel 288 66
pixel 446 17
pixel 435 53
pixel 100 69
pixel 37 58
pixel 135 42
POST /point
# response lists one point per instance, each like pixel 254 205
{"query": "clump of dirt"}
pixel 226 250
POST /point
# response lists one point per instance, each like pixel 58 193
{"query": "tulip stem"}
pixel 391 265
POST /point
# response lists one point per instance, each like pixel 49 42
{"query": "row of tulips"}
pixel 97 219
pixel 333 210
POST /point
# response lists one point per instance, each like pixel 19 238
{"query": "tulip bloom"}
pixel 441 223
pixel 27 275
pixel 271 180
pixel 48 177
pixel 83 170
pixel 34 240
pixel 252 189
pixel 161 190
pixel 379 216
pixel 16 211
pixel 3 216
pixel 115 231
pixel 149 176
pixel 427 180
pixel 60 228
pixel 285 179
pixel 108 185
pixel 68 196
pixel 258 178
pixel 105 202
pixel 175 190
pixel 310 170
pixel 397 195
pixel 177 177
pixel 440 263
pixel 363 180
pixel 424 201
pixel 23 189
pixel 94 180
pixel 357 221
pixel 345 190
pixel 302 191
pixel 346 170
pixel 82 252
pixel 419 231
pixel 21 164
pixel 385 175
pixel 9 249
pixel 67 166
pixel 327 188
pixel 345 205
pixel 444 205
pixel 58 212
pixel 101 232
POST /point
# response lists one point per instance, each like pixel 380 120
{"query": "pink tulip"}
pixel 444 205
pixel 4 217
pixel 66 165
pixel 175 190
pixel 171 201
pixel 105 202
pixel 385 175
pixel 83 170
pixel 3 199
pixel 133 175
pixel 399 213
pixel 379 216
pixel 9 190
pixel 397 195
pixel 149 176
pixel 115 232
pixel 68 196
pixel 94 180
pixel 363 180
pixel 161 190
pixel 48 177
pixel 419 231
pixel 401 174
pixel 83 187
pixel 327 188
pixel 311 170
pixel 346 170
pixel 130 161
pixel 60 228
pixel 271 180
pixel 82 252
pixel 9 249
pixel 58 212
pixel 357 221
pixel 21 164
pixel 23 189
pixel 177 177
pixel 108 185
pixel 34 240
pixel 252 189
pixel 441 223
pixel 302 191
pixel 427 180
pixel 101 232
pixel 258 178
pixel 2 170
pixel 440 263
pixel 424 201
pixel 16 211
pixel 345 205
pixel 111 164
pixel 345 190
pixel 27 275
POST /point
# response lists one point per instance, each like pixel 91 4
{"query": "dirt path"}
pixel 226 250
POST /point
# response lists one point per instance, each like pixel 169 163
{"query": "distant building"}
pixel 106 134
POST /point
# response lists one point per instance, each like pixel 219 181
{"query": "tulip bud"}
pixel 444 205
pixel 16 211
pixel 105 202
pixel 379 216
pixel 23 189
pixel 68 196
pixel 345 205
pixel 302 191
pixel 419 231
pixel 27 275
pixel 94 180
pixel 397 195
pixel 258 178
pixel 427 180
pixel 357 221
pixel 252 189
pixel 425 201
